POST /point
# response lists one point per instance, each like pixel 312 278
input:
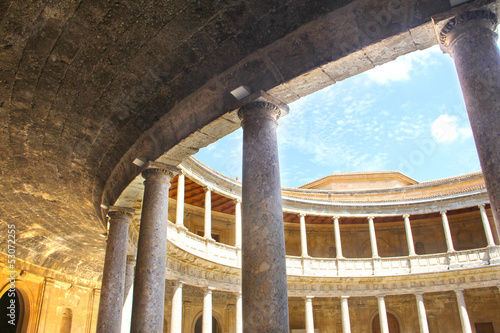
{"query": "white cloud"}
pixel 401 68
pixel 445 129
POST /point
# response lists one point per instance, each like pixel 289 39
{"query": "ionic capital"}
pixel 406 216
pixel 443 212
pixel 336 218
pixel 370 218
pixel 207 189
pixel 237 201
pixel 466 21
pixel 302 215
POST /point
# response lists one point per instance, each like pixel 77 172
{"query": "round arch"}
pixel 392 319
pixel 27 305
pixel 216 322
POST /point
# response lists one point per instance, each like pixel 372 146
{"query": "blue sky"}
pixel 407 115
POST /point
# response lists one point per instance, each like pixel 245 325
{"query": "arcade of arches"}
pixel 116 225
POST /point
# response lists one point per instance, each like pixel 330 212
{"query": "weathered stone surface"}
pixel 264 286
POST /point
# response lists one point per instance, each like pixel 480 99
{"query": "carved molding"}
pixel 476 15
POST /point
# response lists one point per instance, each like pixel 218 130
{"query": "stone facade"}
pixel 91 91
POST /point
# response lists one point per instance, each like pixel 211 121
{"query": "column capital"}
pixel 262 101
pixel 237 200
pixel 131 260
pixel 209 290
pixel 379 296
pixel 443 212
pixel 406 216
pixel 481 206
pixel 120 213
pixel 179 283
pixel 308 298
pixel 336 217
pixel 156 169
pixel 419 293
pixel 344 297
pixel 302 214
pixel 370 218
pixel 207 188
pixel 461 23
pixel 459 290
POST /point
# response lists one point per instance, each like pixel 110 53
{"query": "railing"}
pixel 342 267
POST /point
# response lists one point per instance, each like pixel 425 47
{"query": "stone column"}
pixel 409 236
pixel 179 213
pixel 237 223
pixel 462 309
pixel 207 311
pixel 303 235
pixel 471 41
pixel 344 308
pixel 447 232
pixel 129 275
pixel 239 314
pixel 149 285
pixel 265 299
pixel 336 230
pixel 309 314
pixel 208 213
pixel 486 226
pixel 113 275
pixel 422 316
pixel 384 325
pixel 176 318
pixel 373 238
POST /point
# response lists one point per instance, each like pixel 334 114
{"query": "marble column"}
pixel 344 308
pixel 113 275
pixel 309 314
pixel 179 212
pixel 373 238
pixel 409 236
pixel 422 316
pixel 129 275
pixel 239 314
pixel 303 235
pixel 462 309
pixel 176 318
pixel 264 284
pixel 472 42
pixel 149 284
pixel 237 223
pixel 207 311
pixel 384 325
pixel 486 225
pixel 447 232
pixel 208 213
pixel 336 230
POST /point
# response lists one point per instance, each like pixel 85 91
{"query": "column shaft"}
pixel 338 244
pixel 179 213
pixel 462 309
pixel 344 308
pixel 149 284
pixel 129 276
pixel 447 232
pixel 384 325
pixel 237 223
pixel 113 276
pixel 303 235
pixel 471 41
pixel 422 316
pixel 264 284
pixel 373 238
pixel 486 225
pixel 207 312
pixel 309 315
pixel 176 317
pixel 208 213
pixel 239 314
pixel 409 236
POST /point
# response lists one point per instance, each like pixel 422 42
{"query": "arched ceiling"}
pixel 87 86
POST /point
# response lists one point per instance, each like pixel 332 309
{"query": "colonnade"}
pixel 470 39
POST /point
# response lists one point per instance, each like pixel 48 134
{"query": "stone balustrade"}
pixel 227 255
